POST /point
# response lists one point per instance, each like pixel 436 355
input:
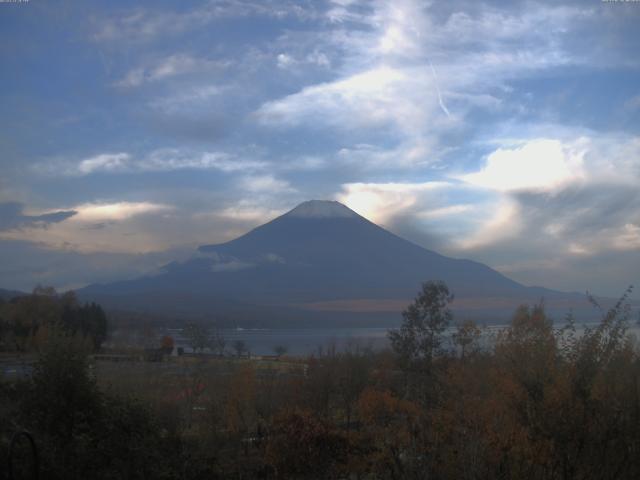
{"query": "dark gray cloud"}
pixel 11 217
pixel 583 237
pixel 582 210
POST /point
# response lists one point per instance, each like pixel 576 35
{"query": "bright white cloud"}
pixel 538 164
pixel 106 162
pixel 365 98
pixel 379 202
pixel 579 212
pixel 266 183
pixel 285 61
pixel 95 212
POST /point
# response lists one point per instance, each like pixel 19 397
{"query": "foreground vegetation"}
pixel 540 403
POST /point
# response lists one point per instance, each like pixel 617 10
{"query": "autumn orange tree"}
pixel 28 320
pixel 388 439
pixel 301 445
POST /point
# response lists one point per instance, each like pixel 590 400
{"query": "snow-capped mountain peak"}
pixel 321 209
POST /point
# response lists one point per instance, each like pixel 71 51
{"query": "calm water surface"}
pixel 304 341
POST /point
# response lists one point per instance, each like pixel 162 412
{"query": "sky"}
pixel 503 132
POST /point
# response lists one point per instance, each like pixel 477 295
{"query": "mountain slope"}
pixel 9 294
pixel 339 254
pixel 318 253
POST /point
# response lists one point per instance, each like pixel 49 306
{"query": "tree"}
pixel 303 446
pixel 218 342
pixel 240 347
pixel 197 336
pixel 82 432
pixel 88 320
pixel 387 436
pixel 466 337
pixel 30 318
pixel 62 401
pixel 280 350
pixel 167 344
pixel 419 338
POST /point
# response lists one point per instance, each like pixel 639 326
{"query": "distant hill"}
pixel 320 262
pixel 9 294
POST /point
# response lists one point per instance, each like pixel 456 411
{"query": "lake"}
pixel 307 341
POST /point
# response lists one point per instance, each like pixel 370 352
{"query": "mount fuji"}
pixel 320 262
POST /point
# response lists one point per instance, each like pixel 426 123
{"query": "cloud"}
pixel 128 227
pixel 24 264
pixel 94 212
pixel 193 97
pixel 106 162
pixel 533 203
pixel 227 263
pixel 265 183
pixel 173 65
pixel 144 25
pixel 537 164
pixel 175 159
pixel 367 100
pixel 285 61
pixel 12 217
pixel 379 202
pixel 359 100
pixel 159 160
pixel 593 217
pixel 304 163
pixel 504 225
pixel 447 211
pixel 395 110
pixel 316 58
pixel 559 205
pixel 115 221
pixel 404 155
pixel 246 211
pixel 387 93
pixel 581 192
pixel 582 236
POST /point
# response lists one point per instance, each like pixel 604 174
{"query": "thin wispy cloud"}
pixel 171 66
pixel 13 217
pixel 440 101
pixel 161 160
pixel 146 24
